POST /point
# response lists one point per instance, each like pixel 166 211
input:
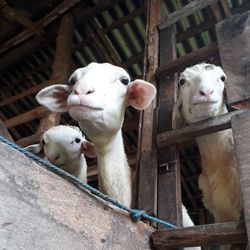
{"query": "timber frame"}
pixel 163 152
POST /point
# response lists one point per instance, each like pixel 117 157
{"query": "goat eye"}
pixel 223 78
pixel 72 81
pixel 43 142
pixel 124 80
pixel 181 82
pixel 77 140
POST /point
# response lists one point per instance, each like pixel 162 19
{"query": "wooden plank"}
pixel 26 117
pixel 231 232
pixel 41 210
pixel 212 125
pixel 169 178
pixel 61 66
pixel 232 33
pixel 187 10
pixel 241 134
pixel 182 62
pixel 147 162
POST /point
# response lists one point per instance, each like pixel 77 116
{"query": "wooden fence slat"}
pixel 188 132
pixel 234 45
pixel 241 134
pixel 231 232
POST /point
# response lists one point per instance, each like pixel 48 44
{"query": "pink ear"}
pixel 88 149
pixel 140 94
pixel 54 97
pixel 34 148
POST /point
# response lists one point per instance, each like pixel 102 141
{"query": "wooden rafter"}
pixel 13 14
pixel 187 10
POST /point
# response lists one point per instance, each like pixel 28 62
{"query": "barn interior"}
pixel 111 31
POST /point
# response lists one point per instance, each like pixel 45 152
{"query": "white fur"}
pixel 64 146
pixel 97 100
pixel 201 97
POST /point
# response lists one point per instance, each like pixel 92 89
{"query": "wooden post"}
pixel 169 179
pixel 147 154
pixel 241 133
pixel 234 45
pixel 61 66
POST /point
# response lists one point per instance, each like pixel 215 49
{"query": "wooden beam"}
pixel 147 163
pixel 220 233
pixel 29 91
pixel 169 177
pixel 182 62
pixel 132 60
pixel 241 134
pixel 13 14
pixel 54 14
pixel 50 212
pixel 103 43
pixel 61 66
pixel 187 10
pixel 26 117
pixel 197 30
pixel 212 125
pixel 125 19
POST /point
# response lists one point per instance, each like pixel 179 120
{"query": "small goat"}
pixel 65 147
pixel 201 93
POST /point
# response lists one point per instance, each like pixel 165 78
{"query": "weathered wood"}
pixel 4 132
pixel 241 134
pixel 187 10
pixel 61 66
pixel 146 153
pixel 26 117
pixel 232 33
pixel 169 179
pixel 212 125
pixel 41 210
pixel 232 232
pixel 187 60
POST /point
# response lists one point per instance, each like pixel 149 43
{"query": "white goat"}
pixel 65 147
pixel 97 97
pixel 201 97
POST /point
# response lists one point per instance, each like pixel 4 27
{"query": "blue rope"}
pixel 134 213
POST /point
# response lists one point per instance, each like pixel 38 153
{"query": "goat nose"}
pixel 80 91
pixel 53 158
pixel 206 93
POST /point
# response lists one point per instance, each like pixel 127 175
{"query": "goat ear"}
pixel 140 94
pixel 88 149
pixel 34 148
pixel 54 97
pixel 178 120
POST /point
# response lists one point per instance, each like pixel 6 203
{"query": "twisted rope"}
pixel 134 213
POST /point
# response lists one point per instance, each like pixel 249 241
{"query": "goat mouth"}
pixel 84 107
pixel 204 103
